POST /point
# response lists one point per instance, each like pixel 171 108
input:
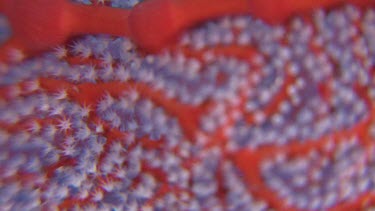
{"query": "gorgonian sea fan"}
pixel 239 114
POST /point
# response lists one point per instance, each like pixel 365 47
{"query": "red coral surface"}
pixel 238 114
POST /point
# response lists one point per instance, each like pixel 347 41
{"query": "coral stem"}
pixel 98 19
pixel 40 25
pixel 3 4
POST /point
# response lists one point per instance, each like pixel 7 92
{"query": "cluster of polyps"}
pixel 96 124
pixel 322 178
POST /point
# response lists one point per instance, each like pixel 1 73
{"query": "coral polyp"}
pixel 242 112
